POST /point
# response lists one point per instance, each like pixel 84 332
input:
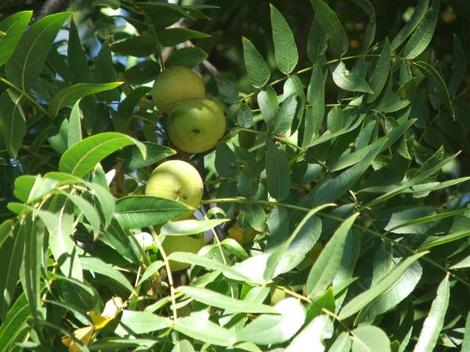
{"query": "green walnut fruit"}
pixel 175 84
pixel 192 244
pixel 176 180
pixel 196 125
pixel 277 295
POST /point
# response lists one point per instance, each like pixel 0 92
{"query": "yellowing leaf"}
pixel 84 335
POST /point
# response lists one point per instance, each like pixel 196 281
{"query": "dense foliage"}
pixel 335 206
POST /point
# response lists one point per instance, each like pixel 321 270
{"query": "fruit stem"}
pixel 169 274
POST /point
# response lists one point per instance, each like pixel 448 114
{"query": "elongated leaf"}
pixel 319 329
pixel 5 231
pixel 32 261
pixel 272 329
pixel 285 48
pixel 285 116
pixel 331 190
pixel 257 68
pixel 135 212
pixel 366 297
pixel 350 81
pixel 204 330
pixel 431 73
pixel 27 62
pixel 369 35
pixel 143 322
pixel 232 305
pixel 189 227
pixel 194 259
pixel 69 95
pixel 458 67
pixel 277 172
pixel 12 123
pixel 10 267
pixel 405 32
pixel 13 27
pixel 423 34
pixel 380 73
pixel 89 212
pixel 429 167
pixel 315 114
pixel 60 227
pixel 82 157
pixel 183 346
pixel 98 266
pixel 173 36
pixel 268 104
pixel 14 324
pixel 74 133
pixel 368 338
pixel 330 24
pixel 188 57
pixel 435 320
pixel 325 267
pixel 466 337
pixel 341 344
pixel 76 56
pixel 317 43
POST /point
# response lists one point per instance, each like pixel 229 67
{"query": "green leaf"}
pixel 173 36
pixel 232 305
pixel 32 264
pixel 350 81
pixel 10 266
pixel 277 172
pixel 431 73
pixel 326 266
pixel 268 104
pixel 98 266
pixel 396 294
pixel 317 43
pixel 76 56
pixel 12 123
pixel 27 62
pixel 69 95
pixel 319 329
pixel 330 24
pixel 204 330
pixel 155 154
pixel 423 34
pixel 82 157
pixel 257 68
pixel 183 346
pixel 5 231
pixel 207 263
pixel 187 57
pixel 285 116
pixel 428 168
pixel 315 114
pixel 189 227
pixel 139 46
pixel 410 26
pixel 13 27
pixel 151 270
pixel 14 324
pixel 369 35
pixel 285 48
pixel 466 337
pixel 458 67
pixel 74 132
pixel 368 338
pixel 88 210
pixel 273 329
pixel 143 322
pixel 380 73
pixel 366 297
pixel 135 212
pixel 60 227
pixel 245 116
pixel 341 344
pixel 332 189
pixel 434 322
